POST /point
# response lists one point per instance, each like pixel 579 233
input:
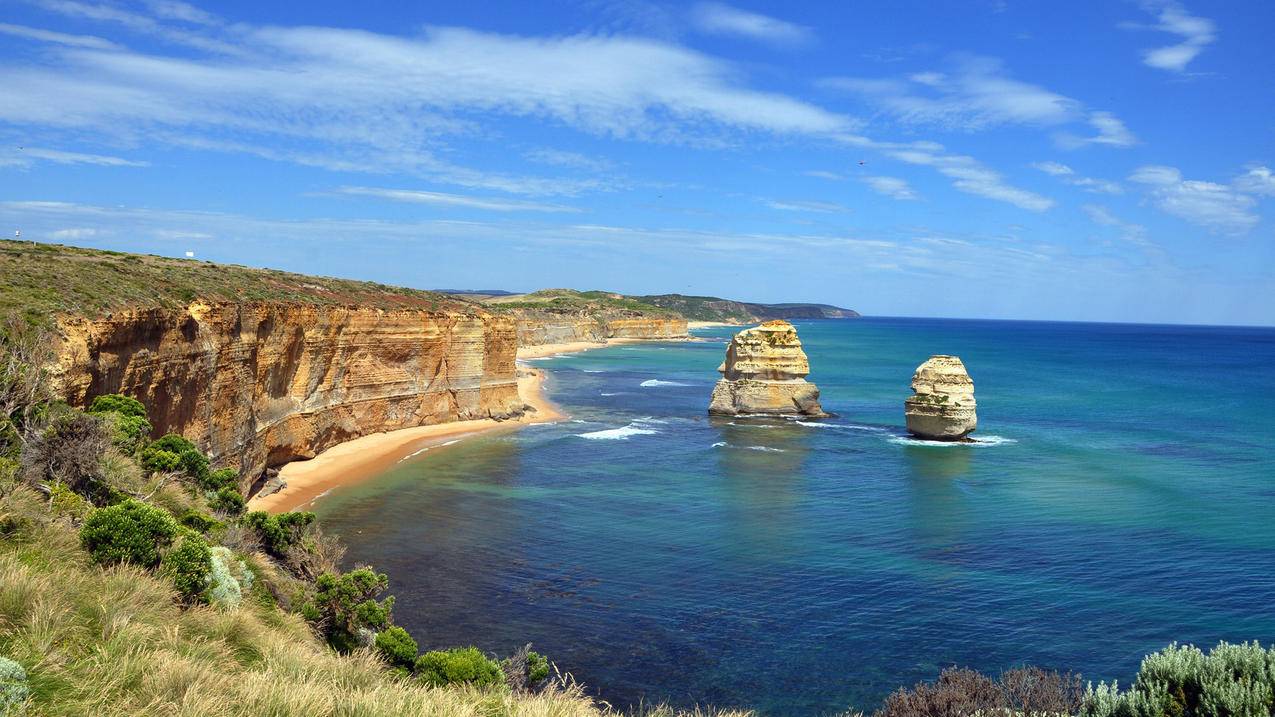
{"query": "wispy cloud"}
pixel 27 155
pixel 453 200
pixel 1135 234
pixel 562 158
pixel 892 187
pixel 968 175
pixel 976 93
pixel 822 174
pixel 798 205
pixel 1171 17
pixel 1111 133
pixel 1215 206
pixel 61 38
pixel 1068 175
pixel 720 19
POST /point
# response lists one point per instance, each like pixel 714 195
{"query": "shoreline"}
pixel 710 324
pixel 365 457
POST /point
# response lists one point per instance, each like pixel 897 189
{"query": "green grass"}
pixel 570 300
pixel 42 280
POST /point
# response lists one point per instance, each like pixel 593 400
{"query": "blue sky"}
pixel 1081 160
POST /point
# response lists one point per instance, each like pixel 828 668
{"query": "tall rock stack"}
pixel 942 407
pixel 765 373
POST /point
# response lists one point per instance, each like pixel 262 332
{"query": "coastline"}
pixel 365 457
pixel 710 324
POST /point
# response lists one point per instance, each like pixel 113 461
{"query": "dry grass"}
pixel 114 642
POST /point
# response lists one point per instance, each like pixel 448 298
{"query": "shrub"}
pixel 188 565
pixel 116 403
pixel 962 692
pixel 129 532
pixel 461 665
pixel 193 462
pixel 228 501
pixel 14 690
pixel 526 670
pixel 397 647
pixel 159 460
pixel 66 502
pixel 229 580
pixel 344 604
pixel 69 450
pixel 128 433
pixel 278 532
pixel 222 478
pixel 1182 681
pixel 198 522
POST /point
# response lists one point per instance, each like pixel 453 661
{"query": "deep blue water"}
pixel 1124 499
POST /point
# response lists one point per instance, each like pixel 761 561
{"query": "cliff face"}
pixel 260 384
pixel 536 328
pixel 765 372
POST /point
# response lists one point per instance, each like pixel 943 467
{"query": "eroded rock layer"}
pixel 765 373
pixel 259 384
pixel 540 328
pixel 942 407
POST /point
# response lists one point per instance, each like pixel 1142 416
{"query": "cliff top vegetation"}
pixel 570 300
pixel 40 280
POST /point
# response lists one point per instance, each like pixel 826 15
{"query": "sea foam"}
pixel 655 382
pixel 617 434
pixel 979 442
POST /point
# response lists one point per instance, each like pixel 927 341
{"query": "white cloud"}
pixel 1214 206
pixel 1257 180
pixel 359 101
pixel 977 93
pixel 453 200
pixel 1068 176
pixel 1196 33
pixel 969 175
pixel 561 158
pixel 73 233
pixel 822 174
pixel 892 187
pixel 720 19
pixel 795 205
pixel 61 38
pixel 26 155
pixel 1135 234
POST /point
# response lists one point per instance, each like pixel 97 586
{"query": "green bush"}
pixel 128 433
pixel 115 403
pixel 221 478
pixel 458 666
pixel 278 532
pixel 129 532
pixel 344 604
pixel 1182 681
pixel 229 580
pixel 14 690
pixel 228 501
pixel 198 522
pixel 537 667
pixel 397 647
pixel 159 460
pixel 66 502
pixel 189 565
pixel 193 462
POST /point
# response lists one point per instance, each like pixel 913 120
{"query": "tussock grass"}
pixel 114 641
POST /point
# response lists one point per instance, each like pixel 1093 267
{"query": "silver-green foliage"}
pixel 229 579
pixel 1182 681
pixel 13 687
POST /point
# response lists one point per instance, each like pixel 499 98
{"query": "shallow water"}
pixel 1123 497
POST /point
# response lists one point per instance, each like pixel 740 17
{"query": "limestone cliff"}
pixel 942 407
pixel 260 384
pixel 536 328
pixel 765 373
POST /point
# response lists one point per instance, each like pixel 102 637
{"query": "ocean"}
pixel 1121 497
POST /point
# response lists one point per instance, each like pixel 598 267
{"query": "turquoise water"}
pixel 1124 498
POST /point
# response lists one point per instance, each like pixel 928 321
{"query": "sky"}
pixel 1092 160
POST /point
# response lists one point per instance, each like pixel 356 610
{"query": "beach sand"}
pixel 362 458
pixel 709 324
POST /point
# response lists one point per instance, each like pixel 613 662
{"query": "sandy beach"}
pixel 708 324
pixel 362 458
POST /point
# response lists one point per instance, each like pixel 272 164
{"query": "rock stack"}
pixel 765 373
pixel 942 408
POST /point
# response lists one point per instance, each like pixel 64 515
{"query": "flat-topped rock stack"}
pixel 765 373
pixel 942 407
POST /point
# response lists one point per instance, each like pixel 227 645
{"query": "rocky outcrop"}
pixel 537 328
pixel 765 373
pixel 259 384
pixel 942 407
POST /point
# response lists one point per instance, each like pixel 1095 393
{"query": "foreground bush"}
pixel 130 532
pixel 278 532
pixel 189 565
pixel 1182 681
pixel 190 459
pixel 345 606
pixel 68 450
pixel 13 686
pixel 458 666
pixel 397 647
pixel 961 692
